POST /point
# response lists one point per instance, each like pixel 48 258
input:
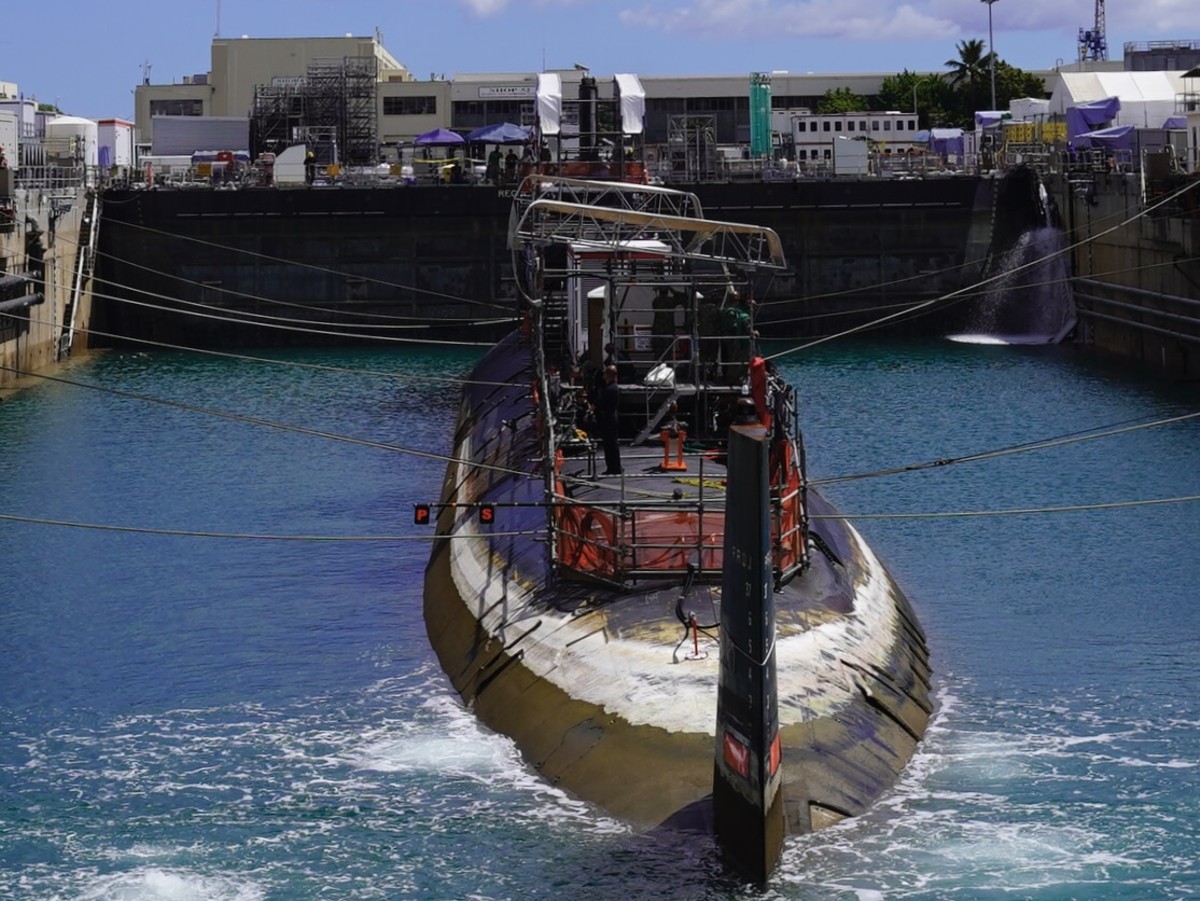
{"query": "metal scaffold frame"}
pixel 632 213
pixel 691 148
pixel 336 96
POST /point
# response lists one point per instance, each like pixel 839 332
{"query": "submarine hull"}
pixel 603 690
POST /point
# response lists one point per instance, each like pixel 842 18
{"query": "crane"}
pixel 1092 44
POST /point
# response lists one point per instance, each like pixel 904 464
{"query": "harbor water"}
pixel 255 713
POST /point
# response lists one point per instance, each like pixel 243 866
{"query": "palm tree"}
pixel 971 66
pixel 968 80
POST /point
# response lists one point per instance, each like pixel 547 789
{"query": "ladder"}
pixel 85 258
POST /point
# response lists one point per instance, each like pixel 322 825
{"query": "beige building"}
pixel 295 86
pixel 241 65
pixel 405 108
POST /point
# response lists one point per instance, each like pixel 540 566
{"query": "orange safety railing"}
pixel 657 541
pixel 654 539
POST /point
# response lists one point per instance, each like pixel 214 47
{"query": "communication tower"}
pixel 1093 46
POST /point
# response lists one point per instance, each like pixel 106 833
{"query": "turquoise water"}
pixel 232 718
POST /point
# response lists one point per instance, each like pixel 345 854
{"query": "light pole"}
pixel 991 51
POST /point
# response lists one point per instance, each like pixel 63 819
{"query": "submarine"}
pixel 690 638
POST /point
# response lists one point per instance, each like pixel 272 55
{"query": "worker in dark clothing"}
pixel 740 333
pixel 610 402
pixel 310 167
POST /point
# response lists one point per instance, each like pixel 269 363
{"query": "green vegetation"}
pixel 949 100
pixel 970 82
pixel 842 100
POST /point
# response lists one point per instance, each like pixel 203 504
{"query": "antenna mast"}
pixel 1092 44
pixel 217 33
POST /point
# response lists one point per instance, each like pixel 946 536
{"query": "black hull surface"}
pixel 589 681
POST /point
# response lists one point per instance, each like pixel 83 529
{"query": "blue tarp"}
pixel 504 133
pixel 991 118
pixel 1175 122
pixel 945 141
pixel 1093 114
pixel 439 137
pixel 1119 137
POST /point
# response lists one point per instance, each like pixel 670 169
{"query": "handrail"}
pixel 618 540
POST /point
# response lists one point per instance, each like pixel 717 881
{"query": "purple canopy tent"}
pixel 1175 122
pixel 439 137
pixel 504 133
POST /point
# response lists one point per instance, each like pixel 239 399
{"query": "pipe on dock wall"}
pixel 21 303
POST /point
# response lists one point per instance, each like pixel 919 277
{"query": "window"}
pixel 826 125
pixel 912 124
pixel 887 124
pixel 850 125
pixel 837 126
pixel 176 107
pixel 410 106
pixel 874 125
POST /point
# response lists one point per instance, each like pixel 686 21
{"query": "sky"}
pixel 86 57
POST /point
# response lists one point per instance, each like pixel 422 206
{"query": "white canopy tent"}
pixel 1147 98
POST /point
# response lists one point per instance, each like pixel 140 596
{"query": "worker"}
pixel 739 335
pixel 610 404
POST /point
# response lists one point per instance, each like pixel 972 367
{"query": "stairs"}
pixel 85 259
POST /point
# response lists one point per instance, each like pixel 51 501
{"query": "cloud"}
pixel 1152 18
pixel 485 8
pixel 853 19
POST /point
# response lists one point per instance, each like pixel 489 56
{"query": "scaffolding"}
pixel 691 153
pixel 332 107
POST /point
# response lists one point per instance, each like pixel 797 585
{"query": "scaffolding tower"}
pixel 333 107
pixel 691 148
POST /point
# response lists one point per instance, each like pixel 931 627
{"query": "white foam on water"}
pixel 450 740
pixel 976 339
pixel 446 742
pixel 1002 340
pixel 155 884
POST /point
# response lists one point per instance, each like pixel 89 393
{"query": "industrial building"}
pixel 355 86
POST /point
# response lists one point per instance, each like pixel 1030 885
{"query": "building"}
pixel 285 84
pixel 248 71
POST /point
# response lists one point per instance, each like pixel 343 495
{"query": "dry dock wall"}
pixel 30 336
pixel 439 255
pixel 1136 263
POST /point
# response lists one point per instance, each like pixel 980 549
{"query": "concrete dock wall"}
pixel 1136 261
pixel 30 336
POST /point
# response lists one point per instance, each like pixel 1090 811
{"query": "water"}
pixel 241 720
pixel 1031 301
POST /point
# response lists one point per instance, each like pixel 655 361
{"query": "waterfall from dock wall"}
pixel 1031 302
